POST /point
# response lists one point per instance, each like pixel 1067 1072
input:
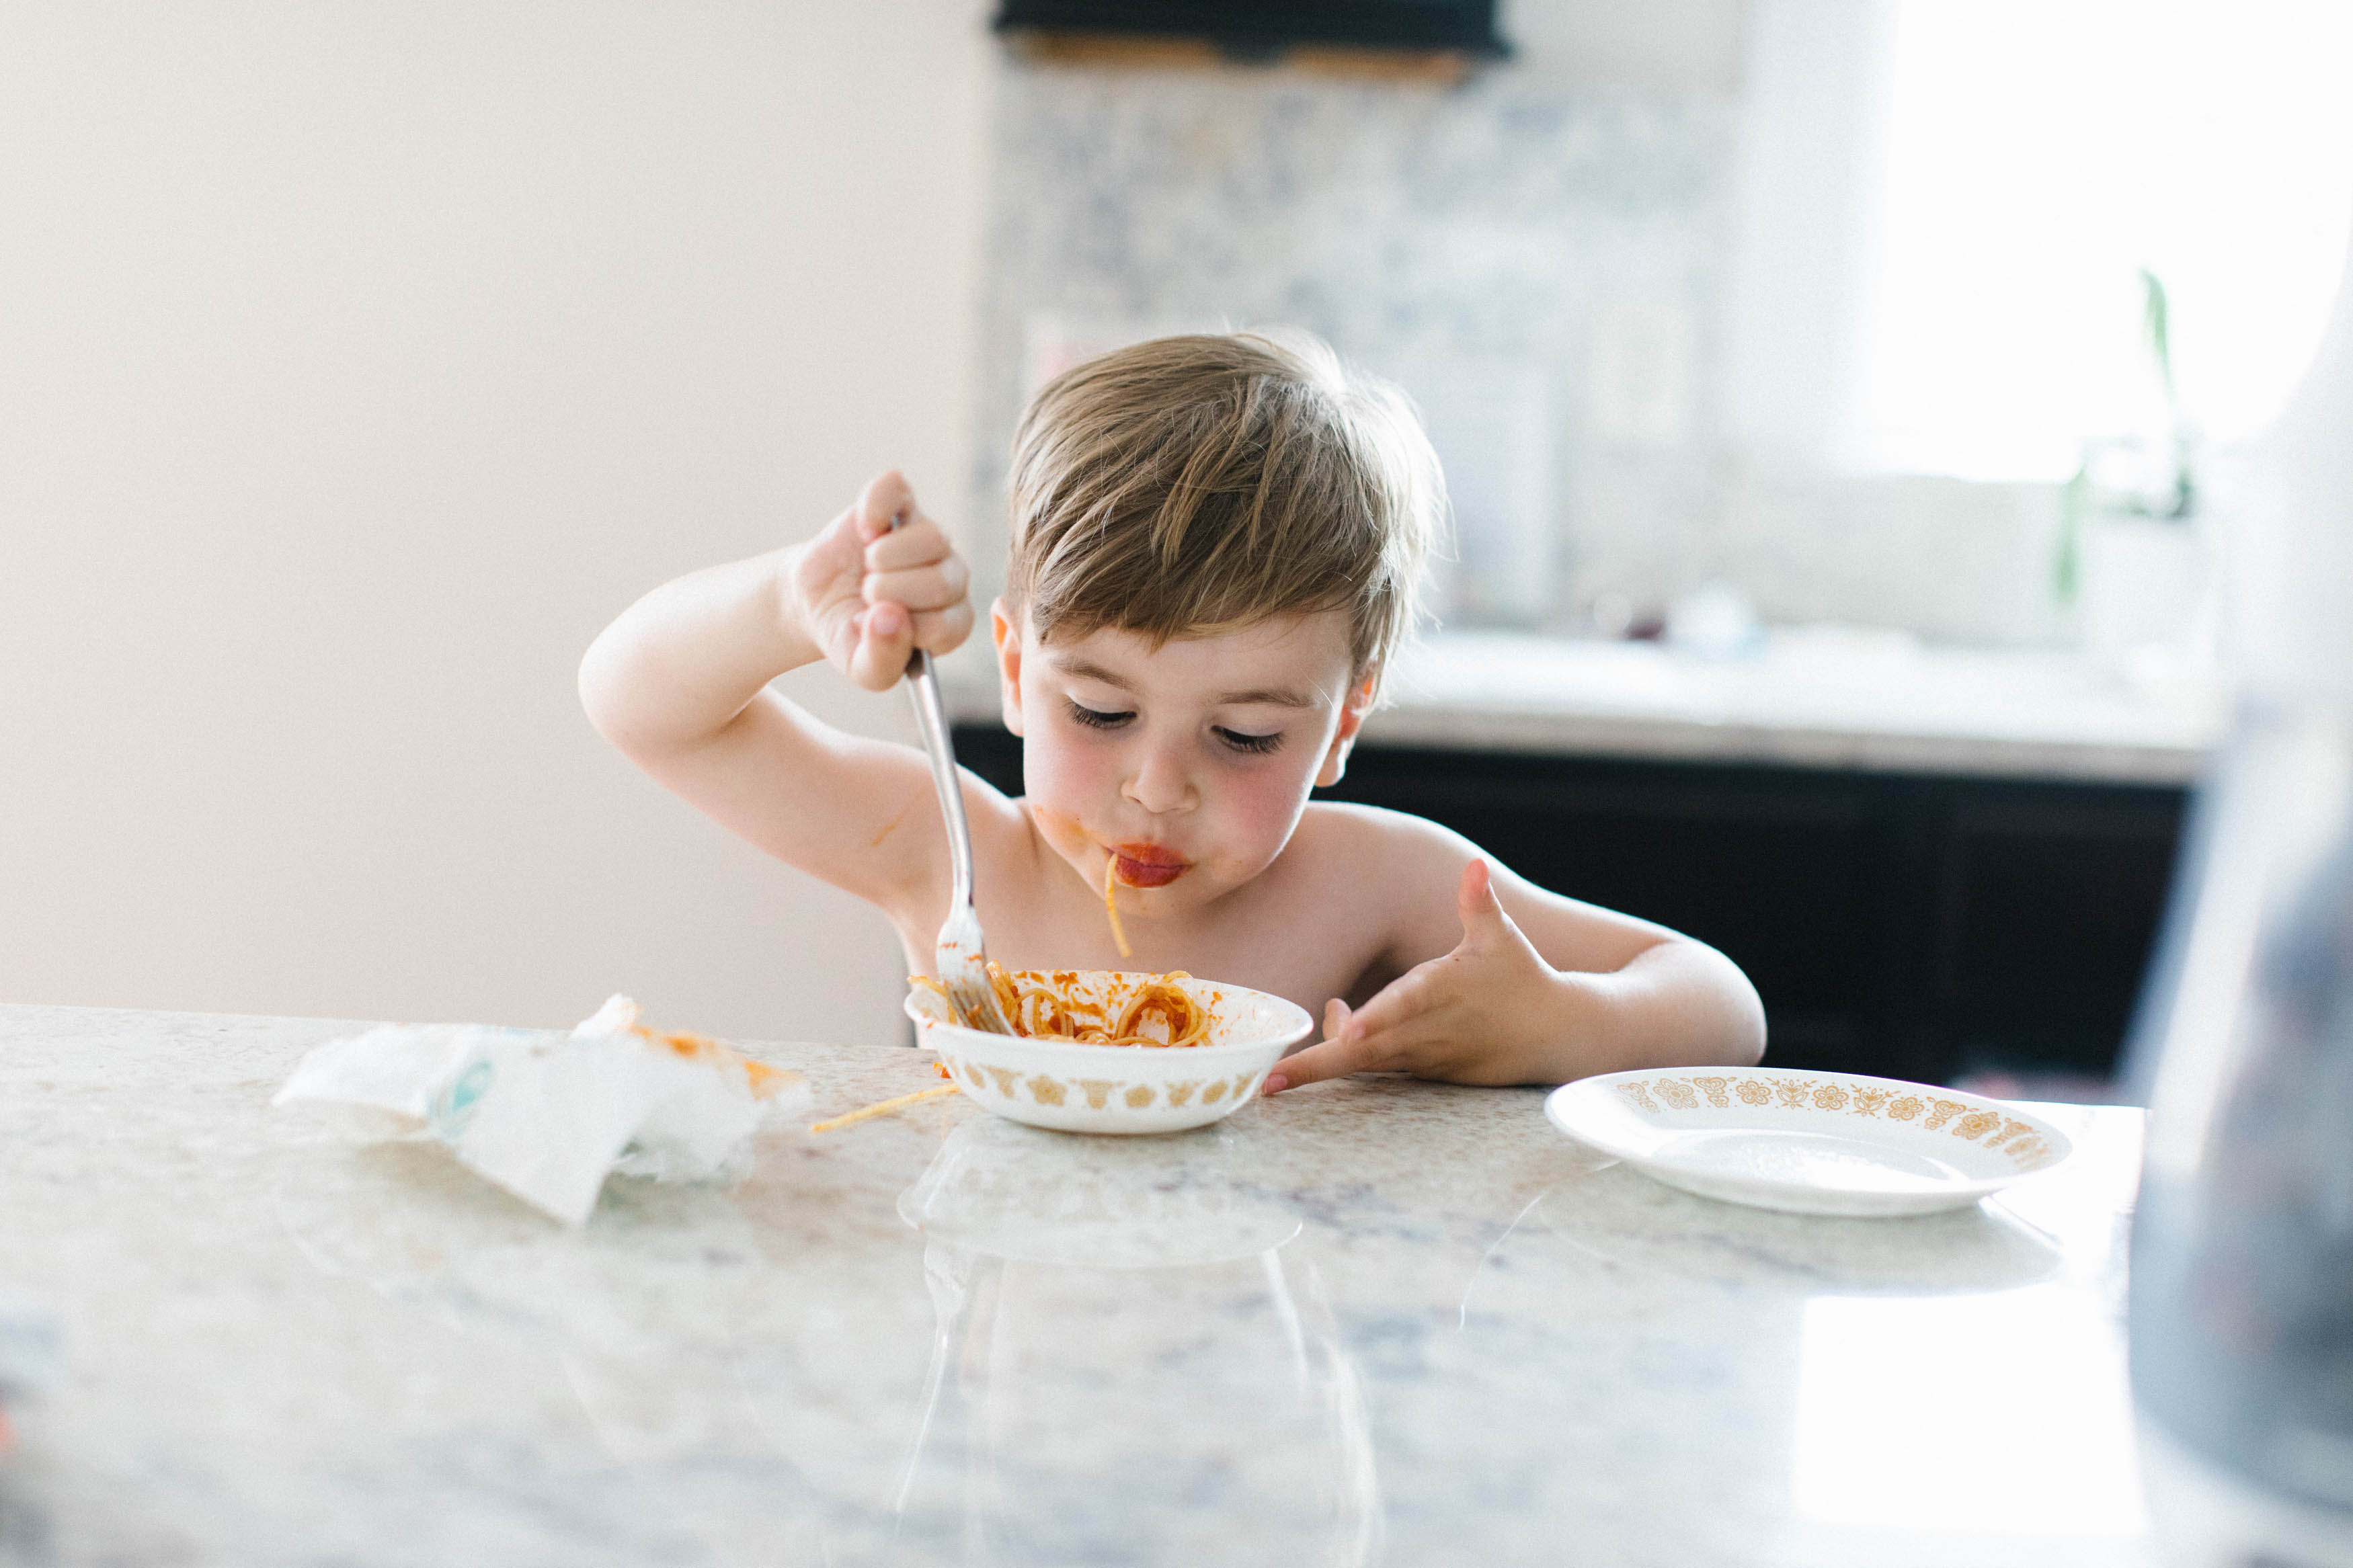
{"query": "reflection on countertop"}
pixel 1372 1322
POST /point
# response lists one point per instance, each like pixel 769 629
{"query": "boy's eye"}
pixel 1095 718
pixel 1258 745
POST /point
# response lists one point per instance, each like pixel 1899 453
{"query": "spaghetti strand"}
pixel 885 1106
pixel 1111 905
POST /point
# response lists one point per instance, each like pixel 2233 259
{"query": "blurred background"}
pixel 1842 401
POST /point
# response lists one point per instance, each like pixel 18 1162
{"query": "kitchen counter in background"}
pixel 1371 1321
pixel 1817 697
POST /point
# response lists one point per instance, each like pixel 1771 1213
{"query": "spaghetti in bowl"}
pixel 1057 1078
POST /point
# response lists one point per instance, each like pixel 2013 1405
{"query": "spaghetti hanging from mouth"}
pixel 1111 904
pixel 1136 1010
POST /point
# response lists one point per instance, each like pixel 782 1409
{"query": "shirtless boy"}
pixel 1216 544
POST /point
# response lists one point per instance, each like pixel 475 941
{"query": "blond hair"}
pixel 1193 485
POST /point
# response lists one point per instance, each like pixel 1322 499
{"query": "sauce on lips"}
pixel 1148 865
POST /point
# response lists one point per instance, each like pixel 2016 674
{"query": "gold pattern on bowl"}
pixel 1099 1093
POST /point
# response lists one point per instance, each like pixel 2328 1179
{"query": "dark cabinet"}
pixel 1252 27
pixel 1919 927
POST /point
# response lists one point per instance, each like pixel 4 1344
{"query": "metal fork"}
pixel 959 954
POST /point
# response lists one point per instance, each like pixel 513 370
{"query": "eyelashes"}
pixel 1234 740
pixel 1095 718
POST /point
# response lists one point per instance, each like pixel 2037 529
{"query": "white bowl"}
pixel 1808 1142
pixel 1119 1088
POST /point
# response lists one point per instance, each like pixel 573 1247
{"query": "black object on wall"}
pixel 1911 926
pixel 1259 27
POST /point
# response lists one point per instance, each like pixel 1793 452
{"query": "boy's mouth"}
pixel 1147 864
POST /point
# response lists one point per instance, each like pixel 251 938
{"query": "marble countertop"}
pixel 1371 1321
pixel 1822 697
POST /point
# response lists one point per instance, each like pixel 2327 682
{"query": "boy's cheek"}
pixel 1061 788
pixel 1061 828
pixel 1264 812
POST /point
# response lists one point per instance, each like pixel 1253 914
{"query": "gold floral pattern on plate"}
pixel 1933 1112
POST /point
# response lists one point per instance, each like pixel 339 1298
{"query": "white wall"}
pixel 357 363
pixel 1674 45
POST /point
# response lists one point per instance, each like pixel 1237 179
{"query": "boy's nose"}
pixel 1160 782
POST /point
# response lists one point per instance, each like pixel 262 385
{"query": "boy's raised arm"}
pixel 679 683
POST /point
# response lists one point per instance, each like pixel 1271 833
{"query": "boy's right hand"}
pixel 868 594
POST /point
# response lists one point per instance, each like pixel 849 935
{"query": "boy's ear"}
pixel 1351 719
pixel 1006 632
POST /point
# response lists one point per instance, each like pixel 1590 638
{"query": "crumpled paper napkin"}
pixel 546 1116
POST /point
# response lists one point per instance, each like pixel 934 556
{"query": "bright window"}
pixel 2031 157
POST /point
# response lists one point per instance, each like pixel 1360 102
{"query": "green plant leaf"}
pixel 2154 315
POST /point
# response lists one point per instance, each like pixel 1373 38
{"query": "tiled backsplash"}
pixel 1545 269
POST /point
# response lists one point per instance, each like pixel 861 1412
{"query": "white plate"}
pixel 1810 1142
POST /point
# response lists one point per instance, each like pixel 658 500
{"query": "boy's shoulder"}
pixel 1388 875
pixel 1391 842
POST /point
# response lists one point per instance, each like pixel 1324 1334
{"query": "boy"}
pixel 1216 542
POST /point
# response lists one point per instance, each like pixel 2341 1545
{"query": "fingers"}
pixel 1416 1024
pixel 1287 1072
pixel 1488 928
pixel 1475 900
pixel 1333 1059
pixel 917 542
pixel 1477 890
pixel 914 564
pixel 931 586
pixel 887 635
pixel 885 638
pixel 921 612
pixel 1450 1017
pixel 887 499
pixel 1408 1012
pixel 943 630
pixel 913 589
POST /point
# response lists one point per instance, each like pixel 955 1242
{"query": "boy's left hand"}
pixel 1490 1012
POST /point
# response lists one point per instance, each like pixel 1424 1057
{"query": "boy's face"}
pixel 1186 766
